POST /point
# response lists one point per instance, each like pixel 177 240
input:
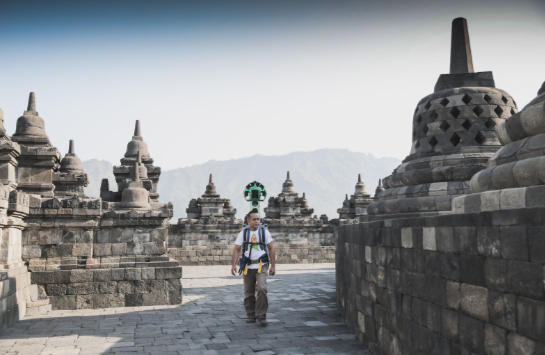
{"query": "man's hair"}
pixel 252 211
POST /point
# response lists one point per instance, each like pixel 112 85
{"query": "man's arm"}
pixel 236 252
pixel 272 259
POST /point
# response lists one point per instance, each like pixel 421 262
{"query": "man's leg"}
pixel 262 303
pixel 249 293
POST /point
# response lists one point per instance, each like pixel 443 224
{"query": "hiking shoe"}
pixel 250 320
pixel 263 322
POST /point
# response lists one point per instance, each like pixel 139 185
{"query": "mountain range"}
pixel 325 175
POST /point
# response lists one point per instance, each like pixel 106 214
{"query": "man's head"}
pixel 253 219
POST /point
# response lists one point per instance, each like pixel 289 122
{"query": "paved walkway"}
pixel 302 320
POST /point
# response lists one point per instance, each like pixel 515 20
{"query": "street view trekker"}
pixel 257 260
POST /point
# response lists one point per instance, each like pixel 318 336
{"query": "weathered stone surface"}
pixel 495 339
pixel 168 273
pixel 103 275
pixel 80 276
pixel 502 309
pixel 525 279
pixel 63 302
pixel 108 300
pixel 133 274
pixel 531 318
pixel 474 301
pixel 519 345
pixel 56 289
pixel 84 302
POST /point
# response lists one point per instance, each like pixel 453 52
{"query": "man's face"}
pixel 253 220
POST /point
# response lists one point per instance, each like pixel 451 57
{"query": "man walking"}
pixel 260 259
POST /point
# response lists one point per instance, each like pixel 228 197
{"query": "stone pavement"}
pixel 303 319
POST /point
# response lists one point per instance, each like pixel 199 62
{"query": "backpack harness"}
pixel 245 261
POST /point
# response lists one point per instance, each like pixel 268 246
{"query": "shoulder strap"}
pixel 245 236
pixel 260 233
pixel 263 240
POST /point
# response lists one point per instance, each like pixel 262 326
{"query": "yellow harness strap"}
pixel 259 268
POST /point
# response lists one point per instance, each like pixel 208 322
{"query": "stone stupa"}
pixel 455 132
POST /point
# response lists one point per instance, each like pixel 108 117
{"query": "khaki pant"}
pixel 256 282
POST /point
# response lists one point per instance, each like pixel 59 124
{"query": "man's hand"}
pixel 272 258
pixel 236 251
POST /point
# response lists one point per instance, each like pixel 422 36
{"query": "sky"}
pixel 219 80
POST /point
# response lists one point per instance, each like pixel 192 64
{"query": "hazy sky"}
pixel 229 79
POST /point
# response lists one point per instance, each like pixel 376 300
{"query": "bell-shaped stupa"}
pixel 30 124
pixel 137 144
pixel 138 148
pixel 454 134
pixel 210 189
pixel 38 157
pixel 288 204
pixel 71 162
pixel 135 196
pixel 357 204
pixel 210 209
pixel 71 179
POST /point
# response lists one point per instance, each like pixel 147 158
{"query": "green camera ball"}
pixel 255 192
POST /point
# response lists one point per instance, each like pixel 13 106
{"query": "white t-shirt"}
pixel 256 250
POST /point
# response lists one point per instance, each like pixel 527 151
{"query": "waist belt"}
pixel 257 261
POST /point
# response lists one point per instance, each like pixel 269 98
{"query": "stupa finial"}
pixel 137 132
pixel 71 149
pixel 288 176
pixel 31 102
pixel 461 60
pixel 359 177
pixel 210 179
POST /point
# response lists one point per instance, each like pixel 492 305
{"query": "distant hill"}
pixel 325 175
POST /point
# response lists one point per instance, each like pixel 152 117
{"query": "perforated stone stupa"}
pixel 515 176
pixel 454 134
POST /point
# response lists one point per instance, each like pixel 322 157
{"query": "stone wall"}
pixel 104 262
pixel 198 245
pixel 454 284
pixel 139 285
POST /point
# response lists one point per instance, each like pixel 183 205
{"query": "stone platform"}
pixel 302 318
